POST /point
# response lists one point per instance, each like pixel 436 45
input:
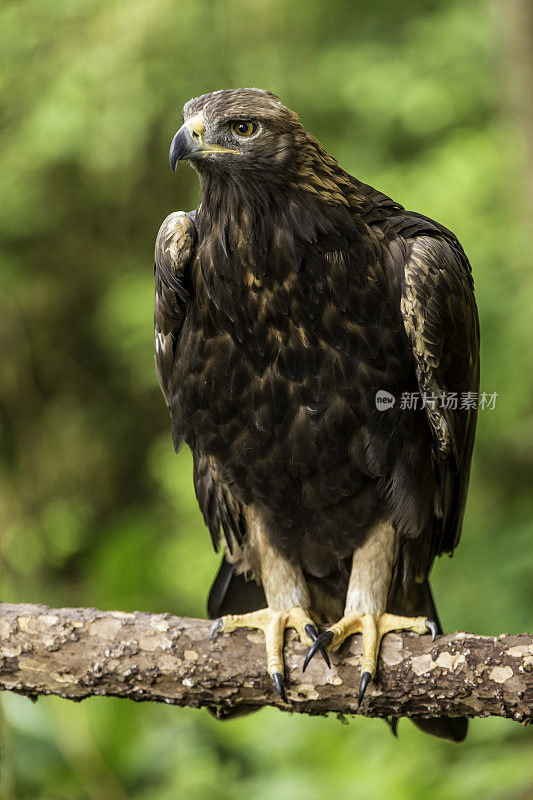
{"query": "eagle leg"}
pixel 373 628
pixel 366 601
pixel 273 624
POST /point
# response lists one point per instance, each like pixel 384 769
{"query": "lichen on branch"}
pixel 81 652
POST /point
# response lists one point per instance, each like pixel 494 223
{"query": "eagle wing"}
pixel 441 322
pixel 174 249
pixel 174 252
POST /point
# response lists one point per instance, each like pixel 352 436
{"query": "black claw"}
pixel 432 627
pixel 277 677
pixel 366 677
pixel 321 641
pixel 312 632
pixel 215 628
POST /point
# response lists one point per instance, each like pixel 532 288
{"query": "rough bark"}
pixel 82 652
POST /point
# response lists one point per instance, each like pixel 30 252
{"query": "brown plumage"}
pixel 289 298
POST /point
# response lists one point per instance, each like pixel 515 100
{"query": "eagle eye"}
pixel 244 128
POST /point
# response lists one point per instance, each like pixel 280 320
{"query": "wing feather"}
pixel 441 322
pixel 174 252
pixel 174 248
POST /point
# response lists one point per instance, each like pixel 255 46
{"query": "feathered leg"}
pixel 366 601
pixel 288 604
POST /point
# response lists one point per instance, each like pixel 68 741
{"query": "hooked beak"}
pixel 189 143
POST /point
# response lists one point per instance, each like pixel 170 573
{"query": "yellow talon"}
pixel 273 624
pixel 372 628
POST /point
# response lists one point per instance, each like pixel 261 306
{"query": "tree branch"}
pixel 81 652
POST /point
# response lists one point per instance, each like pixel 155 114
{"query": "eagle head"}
pixel 238 131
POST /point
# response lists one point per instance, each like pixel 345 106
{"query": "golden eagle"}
pixel 287 304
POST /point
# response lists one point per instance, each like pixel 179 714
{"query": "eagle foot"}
pixel 273 624
pixel 372 628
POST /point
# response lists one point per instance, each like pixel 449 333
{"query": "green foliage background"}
pixel 95 508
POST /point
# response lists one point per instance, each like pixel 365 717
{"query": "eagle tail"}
pixel 420 602
pixel 232 593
